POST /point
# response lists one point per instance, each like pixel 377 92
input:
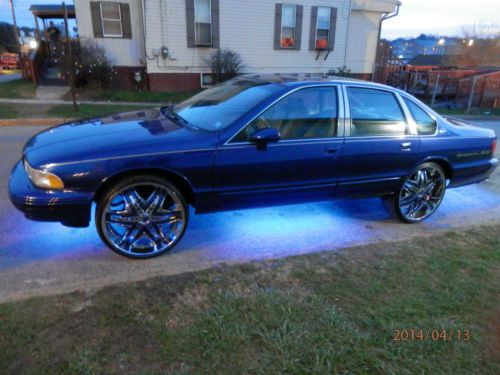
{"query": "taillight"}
pixel 493 147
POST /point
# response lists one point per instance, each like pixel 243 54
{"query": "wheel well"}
pixel 448 171
pixel 179 182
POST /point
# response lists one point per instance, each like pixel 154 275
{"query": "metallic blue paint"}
pixel 219 176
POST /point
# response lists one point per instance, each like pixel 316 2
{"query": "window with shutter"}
pixel 111 20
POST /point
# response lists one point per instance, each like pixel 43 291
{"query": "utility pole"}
pixel 15 25
pixel 71 61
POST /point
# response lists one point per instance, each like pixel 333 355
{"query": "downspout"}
pixel 385 16
pixel 347 34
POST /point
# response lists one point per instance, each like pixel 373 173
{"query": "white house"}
pixel 170 40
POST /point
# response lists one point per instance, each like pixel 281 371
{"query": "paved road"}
pixel 47 258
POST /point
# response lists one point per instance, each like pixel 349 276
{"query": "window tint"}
pixel 288 19
pixel 203 22
pixel 425 123
pixel 375 112
pixel 307 113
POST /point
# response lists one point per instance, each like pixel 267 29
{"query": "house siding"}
pixel 362 41
pixel 122 52
pixel 246 27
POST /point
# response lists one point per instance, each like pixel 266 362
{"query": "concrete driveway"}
pixel 47 258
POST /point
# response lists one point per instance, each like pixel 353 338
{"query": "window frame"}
pixel 111 19
pixel 328 29
pixel 431 115
pixel 294 26
pixel 409 123
pixel 196 43
pixel 341 129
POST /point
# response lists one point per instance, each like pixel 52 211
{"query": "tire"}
pixel 142 216
pixel 420 194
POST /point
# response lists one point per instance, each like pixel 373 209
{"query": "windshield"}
pixel 217 107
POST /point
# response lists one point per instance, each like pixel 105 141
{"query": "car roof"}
pixel 304 79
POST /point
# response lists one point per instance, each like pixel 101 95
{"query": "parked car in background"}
pixel 252 141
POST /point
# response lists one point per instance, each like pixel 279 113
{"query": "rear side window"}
pixel 426 125
pixel 375 112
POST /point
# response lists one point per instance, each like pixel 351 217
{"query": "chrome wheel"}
pixel 422 193
pixel 143 219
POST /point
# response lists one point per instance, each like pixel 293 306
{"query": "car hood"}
pixel 129 133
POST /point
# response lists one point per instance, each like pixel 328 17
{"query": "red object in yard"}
pixel 321 43
pixel 9 61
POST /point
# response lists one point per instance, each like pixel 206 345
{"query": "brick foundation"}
pixel 126 78
pixel 174 81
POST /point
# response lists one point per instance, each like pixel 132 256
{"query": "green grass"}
pixel 7 111
pixel 327 313
pixel 474 111
pixel 89 110
pixel 17 89
pixel 134 96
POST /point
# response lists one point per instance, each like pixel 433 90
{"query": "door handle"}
pixel 331 149
pixel 406 146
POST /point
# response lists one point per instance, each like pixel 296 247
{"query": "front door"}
pixel 301 166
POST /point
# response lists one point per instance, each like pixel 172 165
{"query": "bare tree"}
pixel 480 45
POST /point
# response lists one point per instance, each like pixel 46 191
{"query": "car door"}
pixel 301 166
pixel 381 143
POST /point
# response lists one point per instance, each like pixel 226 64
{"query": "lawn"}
pixel 132 96
pixel 89 110
pixel 474 111
pixel 326 313
pixel 17 89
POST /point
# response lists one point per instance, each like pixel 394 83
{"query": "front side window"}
pixel 288 23
pixel 323 27
pixel 375 112
pixel 203 22
pixel 111 20
pixel 305 114
pixel 426 125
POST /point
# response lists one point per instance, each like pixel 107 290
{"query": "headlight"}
pixel 43 179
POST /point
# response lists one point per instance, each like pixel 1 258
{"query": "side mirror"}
pixel 264 136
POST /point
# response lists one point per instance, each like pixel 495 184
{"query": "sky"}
pixel 443 17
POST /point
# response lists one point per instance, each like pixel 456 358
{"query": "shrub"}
pixel 224 64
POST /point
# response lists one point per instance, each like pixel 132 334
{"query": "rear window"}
pixel 426 125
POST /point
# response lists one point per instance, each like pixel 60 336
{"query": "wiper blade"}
pixel 168 112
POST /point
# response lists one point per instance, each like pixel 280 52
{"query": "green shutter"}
pixel 95 13
pixel 126 23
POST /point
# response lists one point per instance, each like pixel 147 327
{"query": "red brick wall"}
pixel 125 78
pixel 174 81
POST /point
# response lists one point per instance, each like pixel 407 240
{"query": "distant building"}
pixel 407 48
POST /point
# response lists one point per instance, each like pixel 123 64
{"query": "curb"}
pixel 34 121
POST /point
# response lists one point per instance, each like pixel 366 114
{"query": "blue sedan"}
pixel 252 141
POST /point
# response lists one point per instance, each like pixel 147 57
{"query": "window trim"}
pixel 294 26
pixel 431 115
pixel 327 29
pixel 340 118
pixel 210 23
pixel 410 124
pixel 111 19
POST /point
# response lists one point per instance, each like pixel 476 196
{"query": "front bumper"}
pixel 71 208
